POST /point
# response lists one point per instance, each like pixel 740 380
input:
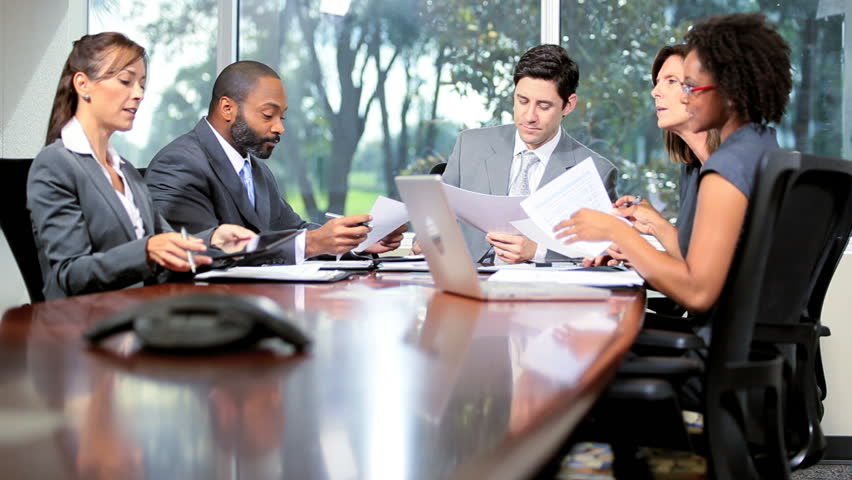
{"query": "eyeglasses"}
pixel 689 89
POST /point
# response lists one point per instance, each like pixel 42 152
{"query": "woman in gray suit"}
pixel 95 226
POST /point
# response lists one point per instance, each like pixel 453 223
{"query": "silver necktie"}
pixel 521 185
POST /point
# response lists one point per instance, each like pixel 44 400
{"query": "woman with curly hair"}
pixel 736 79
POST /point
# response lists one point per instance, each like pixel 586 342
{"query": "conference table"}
pixel 402 382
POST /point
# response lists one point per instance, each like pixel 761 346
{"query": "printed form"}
pixel 579 187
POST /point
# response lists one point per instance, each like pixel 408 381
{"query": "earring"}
pixel 87 97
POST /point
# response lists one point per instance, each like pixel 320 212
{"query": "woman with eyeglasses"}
pixel 737 80
pixel 94 222
pixel 687 148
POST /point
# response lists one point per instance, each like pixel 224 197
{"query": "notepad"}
pixel 275 273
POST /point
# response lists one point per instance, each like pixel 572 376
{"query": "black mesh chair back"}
pixel 800 205
pixel 438 168
pixel 16 225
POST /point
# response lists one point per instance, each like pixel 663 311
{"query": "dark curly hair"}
pixel 550 62
pixel 749 61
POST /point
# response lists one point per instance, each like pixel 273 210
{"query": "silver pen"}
pixel 337 215
pixel 636 200
pixel 189 257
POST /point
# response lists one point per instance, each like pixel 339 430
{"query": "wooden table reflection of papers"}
pixel 403 382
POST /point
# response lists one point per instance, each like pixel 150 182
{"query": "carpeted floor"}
pixel 593 461
pixel 824 472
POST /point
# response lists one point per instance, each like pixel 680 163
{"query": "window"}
pixel 615 43
pixel 380 87
pixel 180 38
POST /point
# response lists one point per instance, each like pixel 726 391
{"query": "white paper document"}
pixel 388 215
pixel 627 278
pixel 529 229
pixel 654 242
pixel 489 213
pixel 341 264
pixel 579 187
pixel 283 273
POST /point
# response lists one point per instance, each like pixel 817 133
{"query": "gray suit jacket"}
pixel 482 160
pixel 86 242
pixel 194 185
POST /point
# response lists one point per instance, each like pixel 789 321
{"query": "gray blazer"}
pixel 482 160
pixel 194 185
pixel 86 242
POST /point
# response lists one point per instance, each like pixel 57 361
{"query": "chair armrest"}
pixel 799 333
pixel 640 388
pixel 674 323
pixel 652 337
pixel 672 368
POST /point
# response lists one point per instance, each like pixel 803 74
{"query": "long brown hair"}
pixel 677 148
pixel 90 55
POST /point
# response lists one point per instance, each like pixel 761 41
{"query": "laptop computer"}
pixel 449 259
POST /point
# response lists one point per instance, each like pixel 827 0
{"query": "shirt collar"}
pixel 237 161
pixel 543 152
pixel 75 139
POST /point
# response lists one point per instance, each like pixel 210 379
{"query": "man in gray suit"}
pixel 212 175
pixel 517 159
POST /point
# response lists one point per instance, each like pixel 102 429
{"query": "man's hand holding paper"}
pixel 576 189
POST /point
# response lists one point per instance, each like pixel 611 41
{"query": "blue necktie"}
pixel 248 181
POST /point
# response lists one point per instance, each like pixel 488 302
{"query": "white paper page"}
pixel 270 272
pixel 654 242
pixel 580 249
pixel 341 264
pixel 388 215
pixel 579 187
pixel 626 278
pixel 489 213
pixel 403 267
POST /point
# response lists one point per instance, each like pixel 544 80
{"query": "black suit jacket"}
pixel 194 185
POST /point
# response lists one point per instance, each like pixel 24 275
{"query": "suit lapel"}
pixel 223 169
pixel 498 161
pixel 94 172
pixel 261 193
pixel 561 159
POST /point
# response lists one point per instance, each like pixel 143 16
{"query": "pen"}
pixel 337 215
pixel 189 257
pixel 636 200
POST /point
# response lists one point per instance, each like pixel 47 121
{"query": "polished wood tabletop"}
pixel 402 382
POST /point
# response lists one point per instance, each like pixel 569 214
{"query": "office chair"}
pixel 16 225
pixel 752 384
pixel 438 168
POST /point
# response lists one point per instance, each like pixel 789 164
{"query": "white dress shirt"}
pixel 536 171
pixel 74 139
pixel 237 161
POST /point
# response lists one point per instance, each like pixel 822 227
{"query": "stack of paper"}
pixel 281 273
pixel 626 278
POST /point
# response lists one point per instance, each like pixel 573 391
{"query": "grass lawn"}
pixel 357 201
